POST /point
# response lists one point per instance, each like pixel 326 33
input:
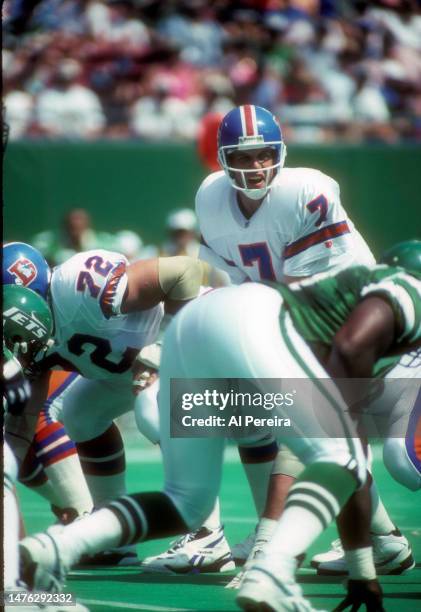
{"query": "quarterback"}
pixel 261 221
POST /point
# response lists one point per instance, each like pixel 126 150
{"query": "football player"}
pixel 61 482
pixel 27 330
pixel 386 303
pixel 261 221
pixel 105 311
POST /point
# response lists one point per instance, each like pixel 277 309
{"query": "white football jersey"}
pixel 88 337
pixel 300 229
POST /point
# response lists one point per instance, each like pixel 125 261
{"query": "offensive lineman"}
pixel 106 311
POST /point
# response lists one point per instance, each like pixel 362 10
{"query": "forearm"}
pixel 20 430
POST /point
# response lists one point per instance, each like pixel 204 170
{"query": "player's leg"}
pixel 11 578
pixel 395 412
pixel 334 468
pixel 209 540
pixel 192 477
pixel 58 453
pixel 88 412
pixel 51 466
pixel 402 447
pixel 11 520
pixel 286 469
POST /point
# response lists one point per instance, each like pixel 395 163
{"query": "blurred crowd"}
pixel 151 69
pixel 77 233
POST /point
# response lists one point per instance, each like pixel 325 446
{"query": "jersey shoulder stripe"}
pixel 327 233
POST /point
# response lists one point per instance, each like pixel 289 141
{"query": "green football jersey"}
pixel 320 306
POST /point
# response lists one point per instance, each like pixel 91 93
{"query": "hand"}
pixel 17 390
pixel 366 593
pixel 143 377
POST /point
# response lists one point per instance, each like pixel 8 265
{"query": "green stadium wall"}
pixel 132 185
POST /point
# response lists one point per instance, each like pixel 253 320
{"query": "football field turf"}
pixel 119 589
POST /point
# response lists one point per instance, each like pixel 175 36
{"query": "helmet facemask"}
pixel 239 175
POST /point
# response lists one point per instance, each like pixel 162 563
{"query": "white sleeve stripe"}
pixel 399 297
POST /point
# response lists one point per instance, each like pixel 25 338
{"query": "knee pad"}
pixel 287 463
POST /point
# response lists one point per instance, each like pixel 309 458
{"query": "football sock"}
pixel 104 465
pixel 258 463
pixel 264 533
pixel 360 564
pixel 58 455
pixel 69 483
pixel 312 504
pixel 126 520
pixel 214 519
pixel 381 522
pixel 91 534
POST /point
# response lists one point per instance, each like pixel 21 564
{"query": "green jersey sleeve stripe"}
pixel 404 295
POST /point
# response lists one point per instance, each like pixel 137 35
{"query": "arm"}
pixel 20 430
pixel 322 237
pixel 172 280
pixel 293 279
pixel 367 335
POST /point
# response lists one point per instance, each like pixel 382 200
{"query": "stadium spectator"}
pixel 66 108
pixel 154 69
pixel 183 239
pixel 76 235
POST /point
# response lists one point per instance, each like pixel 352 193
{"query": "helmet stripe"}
pixel 248 120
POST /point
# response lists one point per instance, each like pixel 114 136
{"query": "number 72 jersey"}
pixel 300 229
pixel 89 338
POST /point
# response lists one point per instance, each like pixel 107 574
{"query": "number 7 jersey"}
pixel 300 229
pixel 89 338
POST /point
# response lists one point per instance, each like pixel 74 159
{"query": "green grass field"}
pixel 118 589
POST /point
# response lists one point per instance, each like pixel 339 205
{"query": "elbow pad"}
pixel 179 277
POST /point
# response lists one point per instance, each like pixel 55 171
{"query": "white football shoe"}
pixel 269 586
pixel 255 553
pixel 42 567
pixel 392 556
pixel 202 551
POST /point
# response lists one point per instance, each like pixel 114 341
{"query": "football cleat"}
pixel 204 550
pixel 42 567
pixel 241 551
pixel 269 586
pixel 392 556
pixel 255 553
